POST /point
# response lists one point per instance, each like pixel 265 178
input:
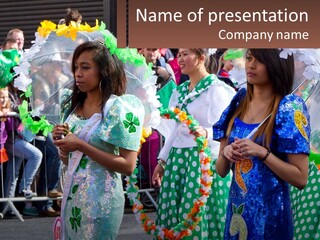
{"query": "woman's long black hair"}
pixel 112 75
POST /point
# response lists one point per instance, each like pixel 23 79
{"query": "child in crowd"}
pixel 4 109
pixel 19 149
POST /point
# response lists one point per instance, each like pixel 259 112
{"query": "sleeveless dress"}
pixel 259 204
pixel 95 203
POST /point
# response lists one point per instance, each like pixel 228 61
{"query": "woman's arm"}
pixel 64 157
pixel 123 163
pixel 295 171
pixel 223 165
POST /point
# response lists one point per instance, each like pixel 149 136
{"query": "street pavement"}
pixel 40 228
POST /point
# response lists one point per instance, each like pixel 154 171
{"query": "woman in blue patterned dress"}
pixel 263 163
pixel 102 143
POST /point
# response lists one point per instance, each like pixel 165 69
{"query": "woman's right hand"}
pixel 60 131
pixel 157 175
pixel 232 152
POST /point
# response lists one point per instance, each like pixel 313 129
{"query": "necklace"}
pixel 253 117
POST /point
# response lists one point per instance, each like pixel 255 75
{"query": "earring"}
pixel 100 87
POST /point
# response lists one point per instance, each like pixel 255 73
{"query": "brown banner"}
pixel 226 24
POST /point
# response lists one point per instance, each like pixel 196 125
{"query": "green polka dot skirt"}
pixel 180 189
pixel 306 207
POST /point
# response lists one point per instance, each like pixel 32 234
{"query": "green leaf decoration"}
pixel 33 125
pixel 241 209
pixel 233 54
pixel 136 121
pixel 8 60
pixel 73 129
pixel 69 198
pixel 23 109
pixel 102 26
pixel 131 122
pixel 83 163
pixel 74 189
pixel 200 142
pixel 75 220
pixel 77 211
pixel 126 124
pixel 314 157
pixel 28 93
pixel 129 116
pixel 234 208
pixel 132 129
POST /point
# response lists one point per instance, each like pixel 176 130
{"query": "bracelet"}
pixel 162 163
pixel 267 154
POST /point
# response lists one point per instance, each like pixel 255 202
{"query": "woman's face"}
pixel 86 73
pixel 188 60
pixel 4 98
pixel 256 71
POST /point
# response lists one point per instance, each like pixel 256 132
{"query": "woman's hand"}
pixel 60 131
pixel 157 175
pixel 69 143
pixel 232 152
pixel 248 148
pixel 200 131
pixel 5 111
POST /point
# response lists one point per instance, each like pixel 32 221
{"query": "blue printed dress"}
pixel 95 203
pixel 259 202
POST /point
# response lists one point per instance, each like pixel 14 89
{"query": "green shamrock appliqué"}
pixel 75 220
pixel 75 188
pixel 131 122
pixel 82 164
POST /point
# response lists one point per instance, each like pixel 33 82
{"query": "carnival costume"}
pixel 93 200
pixel 181 180
pixel 259 201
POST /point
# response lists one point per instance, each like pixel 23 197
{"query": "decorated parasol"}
pixel 44 73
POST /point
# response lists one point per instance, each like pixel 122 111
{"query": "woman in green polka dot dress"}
pixel 306 203
pixel 204 97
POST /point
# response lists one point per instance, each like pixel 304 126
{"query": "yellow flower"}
pixel 183 116
pixel 62 30
pixel 69 31
pixel 146 132
pixel 46 28
pixel 205 143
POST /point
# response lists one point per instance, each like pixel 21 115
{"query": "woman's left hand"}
pixel 248 148
pixel 69 143
pixel 200 131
